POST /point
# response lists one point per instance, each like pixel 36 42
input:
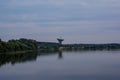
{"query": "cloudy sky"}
pixel 77 21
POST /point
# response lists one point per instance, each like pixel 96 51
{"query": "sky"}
pixel 77 21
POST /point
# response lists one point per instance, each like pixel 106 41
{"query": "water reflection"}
pixel 27 57
pixel 24 57
pixel 81 65
pixel 16 58
pixel 60 55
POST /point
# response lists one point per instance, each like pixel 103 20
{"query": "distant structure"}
pixel 60 40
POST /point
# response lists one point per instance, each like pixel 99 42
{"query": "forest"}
pixel 18 45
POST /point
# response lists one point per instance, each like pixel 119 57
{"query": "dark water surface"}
pixel 74 65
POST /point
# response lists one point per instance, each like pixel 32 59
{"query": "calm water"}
pixel 79 65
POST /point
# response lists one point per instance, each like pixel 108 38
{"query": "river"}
pixel 65 65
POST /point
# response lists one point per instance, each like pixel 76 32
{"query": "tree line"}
pixel 30 44
pixel 110 46
pixel 18 45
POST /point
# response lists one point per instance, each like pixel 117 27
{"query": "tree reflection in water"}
pixel 17 58
pixel 24 57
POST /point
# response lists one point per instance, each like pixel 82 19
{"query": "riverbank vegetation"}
pixel 21 45
pixel 110 46
pixel 18 45
pixel 56 46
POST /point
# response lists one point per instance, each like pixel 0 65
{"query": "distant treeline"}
pixel 55 46
pixel 30 44
pixel 48 46
pixel 91 46
pixel 18 45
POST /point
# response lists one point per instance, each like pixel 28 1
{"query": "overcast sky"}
pixel 77 21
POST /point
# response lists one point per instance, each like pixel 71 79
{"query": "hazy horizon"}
pixel 77 21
